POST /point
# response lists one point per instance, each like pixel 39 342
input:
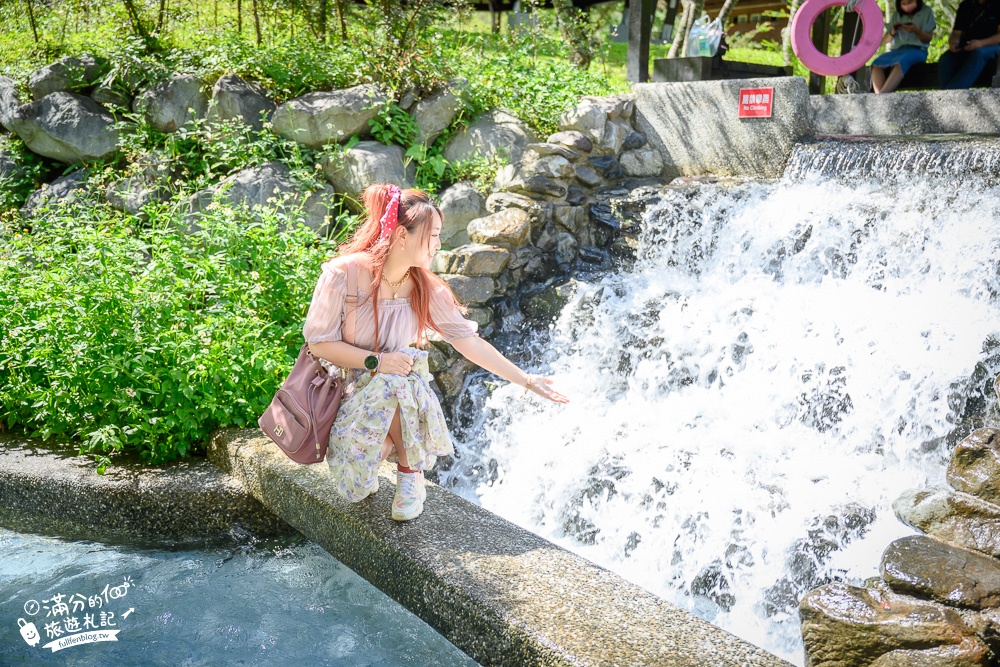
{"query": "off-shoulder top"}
pixel 397 322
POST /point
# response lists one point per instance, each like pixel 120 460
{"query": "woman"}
pixel 380 288
pixel 910 31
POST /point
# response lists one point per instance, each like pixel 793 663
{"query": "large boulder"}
pixel 460 204
pixel 62 190
pixel 969 652
pixel 8 165
pixel 366 163
pixel 510 228
pixel 266 186
pixel 470 289
pixel 236 99
pixel 587 118
pixel 494 134
pixel 922 566
pixel 975 465
pixel 477 260
pixel 66 127
pixel 170 104
pixel 69 74
pixel 539 212
pixel 319 119
pixel 146 180
pixel 9 101
pixel 955 517
pixel 434 114
pixel 847 626
pixel 642 162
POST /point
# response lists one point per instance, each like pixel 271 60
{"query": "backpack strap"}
pixel 351 301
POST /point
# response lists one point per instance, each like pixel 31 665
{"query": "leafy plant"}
pixel 392 125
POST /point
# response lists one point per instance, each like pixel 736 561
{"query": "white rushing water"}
pixel 782 361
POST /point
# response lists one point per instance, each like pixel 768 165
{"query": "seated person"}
pixel 974 41
pixel 910 30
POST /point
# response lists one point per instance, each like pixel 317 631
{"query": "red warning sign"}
pixel 756 102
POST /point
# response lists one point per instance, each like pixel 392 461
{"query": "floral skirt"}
pixel 363 424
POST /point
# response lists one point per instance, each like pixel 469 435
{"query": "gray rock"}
pixel 9 101
pixel 847 626
pixel 922 566
pixel 643 162
pixel 481 316
pixel 587 117
pixel 479 260
pixel 236 99
pixel 441 262
pixel 319 119
pixel 267 186
pixel 615 132
pixel 607 166
pixel 537 211
pixel 955 517
pixel 147 180
pixel 566 247
pixel 434 114
pixel 8 166
pixel 544 149
pixel 552 166
pixel 969 652
pixel 170 104
pixel 460 204
pixel 588 176
pixel 509 228
pixel 574 195
pixel 571 218
pixel 452 379
pixel 494 134
pixel 368 162
pixel 539 185
pixel 111 97
pixel 66 127
pixel 62 190
pixel 550 301
pixel 573 139
pixel 634 140
pixel 67 74
pixel 470 289
pixel 975 465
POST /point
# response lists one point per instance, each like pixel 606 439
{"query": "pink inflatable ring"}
pixel 871 37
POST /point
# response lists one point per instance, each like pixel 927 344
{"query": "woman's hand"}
pixel 973 44
pixel 543 387
pixel 395 363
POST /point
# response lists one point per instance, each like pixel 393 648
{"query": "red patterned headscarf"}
pixel 390 219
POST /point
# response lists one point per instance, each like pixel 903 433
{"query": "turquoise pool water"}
pixel 279 601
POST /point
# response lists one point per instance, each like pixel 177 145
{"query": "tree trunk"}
pixel 677 48
pixel 576 28
pixel 343 21
pixel 323 4
pixel 256 22
pixel 724 13
pixel 239 16
pixel 136 19
pixel 786 34
pixel 31 20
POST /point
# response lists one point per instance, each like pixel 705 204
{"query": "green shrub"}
pixel 148 339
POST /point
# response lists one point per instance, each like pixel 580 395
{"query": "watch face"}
pixel 371 362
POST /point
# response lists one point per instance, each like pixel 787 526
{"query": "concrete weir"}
pixel 503 595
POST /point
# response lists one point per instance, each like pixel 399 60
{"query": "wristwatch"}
pixel 371 363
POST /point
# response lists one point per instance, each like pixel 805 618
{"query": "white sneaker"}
pixel 408 502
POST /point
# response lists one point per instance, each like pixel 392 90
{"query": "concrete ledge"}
pixel 503 595
pixel 934 112
pixel 177 500
pixel 695 126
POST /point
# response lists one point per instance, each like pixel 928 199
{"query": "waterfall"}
pixel 782 360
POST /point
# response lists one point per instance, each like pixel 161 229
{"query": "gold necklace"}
pixel 395 285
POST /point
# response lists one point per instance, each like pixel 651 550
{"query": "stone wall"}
pixel 932 112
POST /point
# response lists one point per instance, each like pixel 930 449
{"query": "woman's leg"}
pixel 396 436
pixel 892 81
pixel 878 78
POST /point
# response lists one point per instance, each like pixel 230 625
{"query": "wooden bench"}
pixel 924 76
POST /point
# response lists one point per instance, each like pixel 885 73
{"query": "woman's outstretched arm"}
pixel 484 355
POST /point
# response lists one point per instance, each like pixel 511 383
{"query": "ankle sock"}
pixel 405 469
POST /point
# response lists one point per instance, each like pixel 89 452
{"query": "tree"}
pixel 692 10
pixel 577 29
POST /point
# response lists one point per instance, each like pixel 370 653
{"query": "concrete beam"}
pixel 695 126
pixel 908 113
pixel 503 595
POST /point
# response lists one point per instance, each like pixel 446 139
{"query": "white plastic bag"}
pixel 704 38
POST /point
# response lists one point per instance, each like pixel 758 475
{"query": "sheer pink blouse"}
pixel 397 326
